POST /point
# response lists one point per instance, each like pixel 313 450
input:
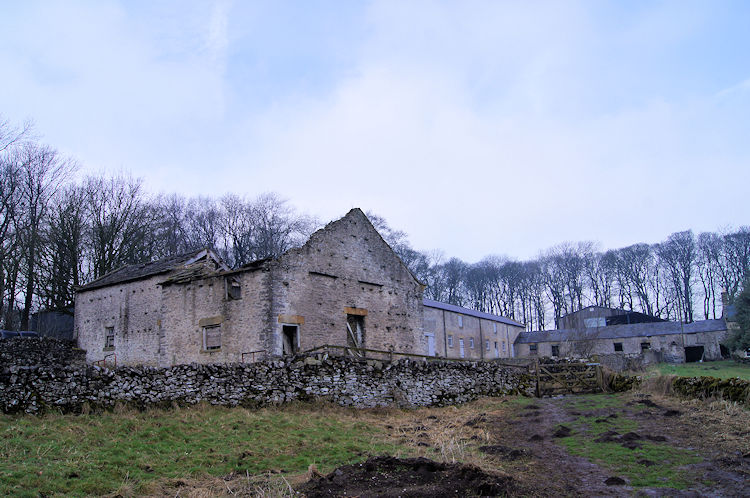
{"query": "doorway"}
pixel 693 353
pixel 430 344
pixel 355 334
pixel 290 339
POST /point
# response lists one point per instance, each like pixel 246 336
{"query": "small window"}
pixel 212 337
pixel 532 349
pixel 503 346
pixel 109 337
pixel 645 346
pixel 618 346
pixel 461 346
pixel 450 341
pixel 555 350
pixel 471 342
pixel 494 327
pixel 234 290
pixel 460 321
pixel 487 345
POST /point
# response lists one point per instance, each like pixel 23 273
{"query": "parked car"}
pixel 7 334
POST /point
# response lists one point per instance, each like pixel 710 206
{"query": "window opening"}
pixel 471 342
pixel 555 350
pixel 212 337
pixel 618 346
pixel 450 341
pixel 109 337
pixel 487 345
pixel 532 349
pixel 461 347
pixel 234 290
pixel 494 327
pixel 460 321
pixel 645 346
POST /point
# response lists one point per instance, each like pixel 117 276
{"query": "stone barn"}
pixel 345 286
pixel 672 341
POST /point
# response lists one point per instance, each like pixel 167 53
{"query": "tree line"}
pixel 59 231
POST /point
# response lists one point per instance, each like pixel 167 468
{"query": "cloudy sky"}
pixel 477 127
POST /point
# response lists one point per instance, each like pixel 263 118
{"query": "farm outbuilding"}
pixel 671 341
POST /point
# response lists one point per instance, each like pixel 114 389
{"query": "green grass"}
pixel 96 454
pixel 668 460
pixel 720 369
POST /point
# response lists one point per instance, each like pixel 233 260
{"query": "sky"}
pixel 478 128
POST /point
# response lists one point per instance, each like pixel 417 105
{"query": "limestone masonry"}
pixel 26 385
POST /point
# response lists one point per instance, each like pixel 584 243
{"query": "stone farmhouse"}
pixel 457 332
pixel 344 287
pixel 671 341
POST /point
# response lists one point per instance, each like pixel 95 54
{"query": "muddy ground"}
pixel 655 446
pixel 516 449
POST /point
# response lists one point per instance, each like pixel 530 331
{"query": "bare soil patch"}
pixel 409 477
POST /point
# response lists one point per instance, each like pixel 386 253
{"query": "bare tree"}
pixel 42 173
pixel 62 262
pixel 119 222
pixel 678 255
pixel 710 247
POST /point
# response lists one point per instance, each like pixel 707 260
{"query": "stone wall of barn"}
pixel 191 307
pixel 346 270
pixel 132 309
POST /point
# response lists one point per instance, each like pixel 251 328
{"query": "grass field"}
pixel 97 454
pixel 721 369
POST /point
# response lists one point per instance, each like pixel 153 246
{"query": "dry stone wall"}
pixel 348 382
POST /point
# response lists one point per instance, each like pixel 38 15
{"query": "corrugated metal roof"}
pixel 466 311
pixel 621 331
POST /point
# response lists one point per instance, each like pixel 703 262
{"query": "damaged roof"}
pixel 468 312
pixel 621 331
pixel 140 271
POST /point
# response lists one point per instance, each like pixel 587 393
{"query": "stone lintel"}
pixel 207 322
pixel 355 311
pixel 293 319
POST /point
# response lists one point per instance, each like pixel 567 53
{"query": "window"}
pixel 645 346
pixel 234 290
pixel 618 346
pixel 212 337
pixel 109 338
pixel 503 346
pixel 487 345
pixel 555 350
pixel 591 323
pixel 461 346
pixel 532 349
pixel 450 341
pixel 494 327
pixel 460 321
pixel 471 342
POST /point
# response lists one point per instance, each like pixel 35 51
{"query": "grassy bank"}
pixel 721 369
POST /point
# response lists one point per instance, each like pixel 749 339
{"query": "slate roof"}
pixel 621 331
pixel 130 273
pixel 466 311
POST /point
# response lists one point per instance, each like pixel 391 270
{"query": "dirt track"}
pixel 522 452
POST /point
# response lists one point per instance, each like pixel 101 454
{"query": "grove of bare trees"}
pixel 59 231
